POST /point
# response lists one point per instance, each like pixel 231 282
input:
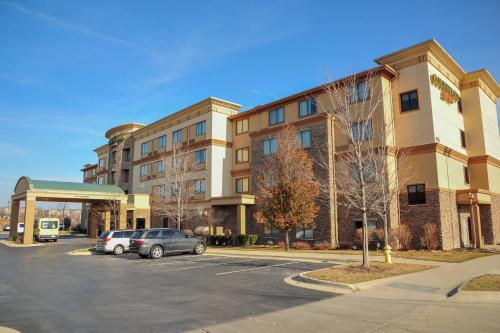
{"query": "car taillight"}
pixel 105 240
pixel 139 241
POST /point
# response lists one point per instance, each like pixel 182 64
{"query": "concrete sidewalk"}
pixel 311 257
pixel 418 302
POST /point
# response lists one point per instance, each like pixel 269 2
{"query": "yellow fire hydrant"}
pixel 387 254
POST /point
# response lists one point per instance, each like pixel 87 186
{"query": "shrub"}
pixel 321 245
pixel 300 246
pixel 244 240
pixel 378 234
pixel 221 240
pixel 429 238
pixel 253 239
pixel 281 245
pixel 403 237
pixel 188 232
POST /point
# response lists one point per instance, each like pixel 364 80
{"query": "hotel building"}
pixel 445 119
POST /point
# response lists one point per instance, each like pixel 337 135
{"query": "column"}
pixel 147 219
pixel 477 225
pixel 92 223
pixel 241 219
pixel 122 221
pixel 134 219
pixel 29 220
pixel 107 221
pixel 14 219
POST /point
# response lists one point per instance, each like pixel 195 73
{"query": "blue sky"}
pixel 70 70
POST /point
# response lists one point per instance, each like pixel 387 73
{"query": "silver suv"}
pixel 114 241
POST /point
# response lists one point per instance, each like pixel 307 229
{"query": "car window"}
pixel 117 234
pixel 104 235
pixel 152 234
pixel 180 234
pixel 167 233
pixel 127 234
pixel 137 234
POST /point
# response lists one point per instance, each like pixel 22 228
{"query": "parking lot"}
pixel 44 290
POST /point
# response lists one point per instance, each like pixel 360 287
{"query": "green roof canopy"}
pixel 70 186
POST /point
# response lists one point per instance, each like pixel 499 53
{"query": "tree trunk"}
pixel 366 263
pixel 287 241
pixel 386 230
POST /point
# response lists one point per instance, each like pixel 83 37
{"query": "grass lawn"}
pixel 487 282
pixel 453 256
pixel 355 273
pixel 278 249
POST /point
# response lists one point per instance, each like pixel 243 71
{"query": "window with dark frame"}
pixel 462 139
pixel 459 106
pixel 409 101
pixel 276 116
pixel 466 175
pixel 307 107
pixel 242 185
pixel 416 194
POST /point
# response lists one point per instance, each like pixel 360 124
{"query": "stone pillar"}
pixel 92 223
pixel 107 221
pixel 29 220
pixel 241 219
pixel 134 219
pixel 476 217
pixel 14 219
pixel 210 220
pixel 147 219
pixel 122 220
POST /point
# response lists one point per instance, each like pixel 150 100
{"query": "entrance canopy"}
pixel 47 190
pixel 31 191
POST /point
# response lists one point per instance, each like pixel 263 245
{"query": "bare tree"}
pixel 286 186
pixel 175 200
pixel 361 156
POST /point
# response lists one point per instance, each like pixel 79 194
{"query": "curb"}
pixel 337 285
pixel 14 244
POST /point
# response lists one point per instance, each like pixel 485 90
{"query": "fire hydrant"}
pixel 387 254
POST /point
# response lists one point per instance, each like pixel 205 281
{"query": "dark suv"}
pixel 155 243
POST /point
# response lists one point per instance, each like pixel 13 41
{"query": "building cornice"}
pixel 242 172
pixel 383 70
pixel 484 80
pixel 488 159
pixel 298 123
pixel 125 127
pixel 436 148
pixel 102 149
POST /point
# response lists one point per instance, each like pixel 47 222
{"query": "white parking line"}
pixel 210 265
pixel 256 268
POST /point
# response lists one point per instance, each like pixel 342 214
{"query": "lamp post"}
pixel 473 224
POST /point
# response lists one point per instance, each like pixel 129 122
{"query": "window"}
pixel 167 233
pixel 152 234
pixel 113 157
pixel 462 139
pixel 102 163
pixel 270 146
pixel 276 116
pixel 307 107
pixel 301 233
pixel 416 194
pixel 113 176
pixel 159 190
pixel 362 130
pixel 242 185
pixel 409 101
pixel 93 172
pixel 126 155
pixel 179 234
pixel 369 171
pixel 304 138
pixel 466 175
pixel 145 148
pixel 178 136
pixel 242 155
pixel 162 141
pixel 269 231
pixel 117 234
pixel 160 166
pixel 242 126
pixel 358 228
pixel 100 180
pixel 125 175
pixel 174 188
pixel 201 156
pixel 199 185
pixel 459 106
pixel 144 170
pixel 358 92
pixel 201 128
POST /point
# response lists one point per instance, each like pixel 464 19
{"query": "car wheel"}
pixel 118 250
pixel 199 248
pixel 143 256
pixel 156 252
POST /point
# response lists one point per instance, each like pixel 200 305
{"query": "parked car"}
pixel 155 243
pixel 114 241
pixel 20 228
pixel 6 227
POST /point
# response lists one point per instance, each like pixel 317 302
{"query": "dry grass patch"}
pixel 278 249
pixel 444 256
pixel 487 282
pixel 355 273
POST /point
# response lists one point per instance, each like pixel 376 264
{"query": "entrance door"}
pixel 464 231
pixel 140 223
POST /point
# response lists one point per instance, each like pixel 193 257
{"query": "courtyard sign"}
pixel 448 94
